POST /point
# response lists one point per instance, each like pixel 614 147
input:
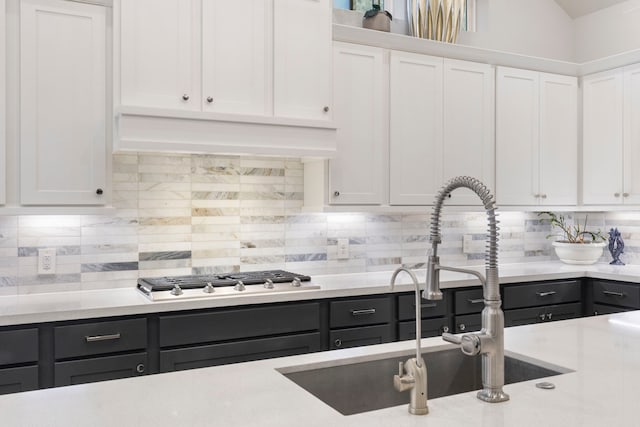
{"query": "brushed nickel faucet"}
pixel 489 342
pixel 412 374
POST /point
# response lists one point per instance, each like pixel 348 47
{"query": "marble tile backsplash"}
pixel 184 214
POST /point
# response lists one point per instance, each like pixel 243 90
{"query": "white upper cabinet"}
pixel 62 103
pixel 358 173
pixel 3 105
pixel 415 128
pixel 302 58
pixel 536 138
pixel 160 53
pixel 468 126
pixel 441 126
pixel 236 56
pixel 611 129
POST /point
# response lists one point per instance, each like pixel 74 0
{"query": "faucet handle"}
pixel 469 343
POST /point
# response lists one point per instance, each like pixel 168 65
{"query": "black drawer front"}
pixel 356 337
pixel 430 328
pixel 614 293
pixel 221 354
pixel 225 325
pixel 18 346
pixel 14 380
pixel 468 301
pixel 100 369
pixel 100 337
pixel 525 316
pixel 407 307
pixel 467 323
pixel 599 309
pixel 355 312
pixel 539 294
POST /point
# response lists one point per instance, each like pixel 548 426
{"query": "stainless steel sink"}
pixel 352 386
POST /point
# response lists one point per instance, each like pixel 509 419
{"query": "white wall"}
pixel 535 28
pixel 608 32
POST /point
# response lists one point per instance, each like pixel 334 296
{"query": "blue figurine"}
pixel 616 246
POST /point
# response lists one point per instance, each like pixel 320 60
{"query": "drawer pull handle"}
pixel 545 294
pixel 426 305
pixel 614 294
pixel 363 312
pixel 475 301
pixel 96 338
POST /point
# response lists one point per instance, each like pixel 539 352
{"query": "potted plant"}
pixel 578 245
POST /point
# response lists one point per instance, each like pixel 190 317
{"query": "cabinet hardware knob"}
pixel 209 99
pixel 140 368
pixel 445 329
pixel 336 193
pixel 625 194
pixel 536 196
pixel 549 316
pixel 338 342
pixel 542 316
pixel 616 194
pixel 544 196
pixel 99 191
pixel 462 326
pixel 185 97
pixel 325 109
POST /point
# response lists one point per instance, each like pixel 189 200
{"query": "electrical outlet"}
pixel 47 261
pixel 343 248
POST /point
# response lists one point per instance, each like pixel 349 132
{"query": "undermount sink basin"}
pixel 356 385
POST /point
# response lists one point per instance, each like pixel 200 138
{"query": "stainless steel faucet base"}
pixel 492 396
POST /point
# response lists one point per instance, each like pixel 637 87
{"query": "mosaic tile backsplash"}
pixel 192 214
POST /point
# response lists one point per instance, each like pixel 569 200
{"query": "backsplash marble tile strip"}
pixel 195 214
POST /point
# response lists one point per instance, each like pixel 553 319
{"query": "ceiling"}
pixel 577 8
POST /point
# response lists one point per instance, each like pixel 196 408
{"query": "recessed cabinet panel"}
pixel 15 380
pixel 517 159
pixel 3 104
pixel 358 172
pixel 236 57
pixel 631 193
pixel 416 153
pixel 602 138
pixel 62 102
pixel 159 47
pixel 302 58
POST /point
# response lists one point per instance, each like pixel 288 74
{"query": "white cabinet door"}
pixel 631 191
pixel 236 56
pixel 602 138
pixel 517 133
pixel 62 102
pixel 358 172
pixel 302 58
pixel 415 154
pixel 558 140
pixel 160 53
pixel 3 121
pixel 468 126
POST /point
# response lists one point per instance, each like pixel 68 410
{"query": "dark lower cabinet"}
pixel 243 351
pixel 467 323
pixel 599 309
pixel 364 335
pixel 13 380
pixel 429 328
pixel 99 369
pixel 550 313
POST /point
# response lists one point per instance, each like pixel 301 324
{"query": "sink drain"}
pixel 546 385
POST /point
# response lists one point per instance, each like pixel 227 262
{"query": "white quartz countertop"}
pixel 36 308
pixel 603 351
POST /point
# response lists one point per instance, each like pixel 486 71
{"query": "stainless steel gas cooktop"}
pixel 250 282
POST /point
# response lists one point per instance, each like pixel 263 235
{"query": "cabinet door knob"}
pixel 616 194
pixel 140 368
pixel 544 196
pixel 209 99
pixel 336 193
pixel 542 316
pixel 445 329
pixel 325 109
pixel 549 316
pixel 338 342
pixel 536 196
pixel 185 97
pixel 462 326
pixel 99 191
pixel 625 194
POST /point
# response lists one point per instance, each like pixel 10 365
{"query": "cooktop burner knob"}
pixel 268 284
pixel 177 290
pixel 239 286
pixel 296 282
pixel 209 289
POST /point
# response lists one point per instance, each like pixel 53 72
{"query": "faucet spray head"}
pixel 432 291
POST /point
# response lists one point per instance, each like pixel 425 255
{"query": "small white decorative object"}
pixel 579 253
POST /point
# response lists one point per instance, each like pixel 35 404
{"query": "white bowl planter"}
pixel 579 253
